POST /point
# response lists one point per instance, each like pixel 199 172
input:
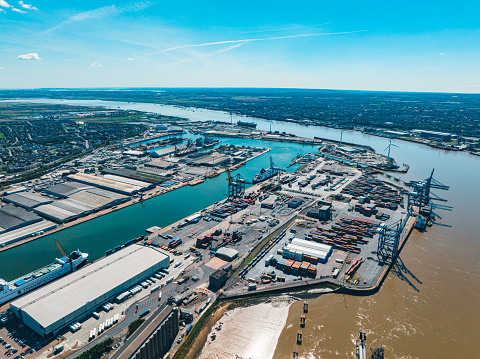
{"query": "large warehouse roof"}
pixel 55 301
pixel 24 232
pixel 141 184
pixel 64 209
pixel 26 199
pixel 105 183
pixel 12 217
pixel 66 189
pixel 97 197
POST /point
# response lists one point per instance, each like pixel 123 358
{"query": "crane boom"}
pixel 60 248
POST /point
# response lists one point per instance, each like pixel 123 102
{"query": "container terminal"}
pixel 331 223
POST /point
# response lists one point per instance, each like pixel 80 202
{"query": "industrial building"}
pixel 130 181
pixel 109 185
pixel 323 212
pixel 295 202
pixel 161 165
pixel 136 174
pixel 163 152
pixel 26 200
pixel 227 254
pixel 65 210
pixel 300 247
pixel 160 331
pixel 77 295
pixel 12 217
pixel 63 190
pixel 441 136
pixel 217 280
pixel 93 196
pixel 211 160
pixel 25 232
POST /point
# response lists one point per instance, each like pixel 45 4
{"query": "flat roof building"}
pixel 442 136
pixel 13 217
pixel 26 200
pixel 75 296
pixel 228 254
pixel 217 280
pixel 104 183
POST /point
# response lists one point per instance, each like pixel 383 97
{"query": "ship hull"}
pixel 10 293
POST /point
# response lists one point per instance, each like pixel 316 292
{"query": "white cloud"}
pixel 27 6
pixel 1 10
pixel 95 64
pixel 105 11
pixel 29 56
pixel 2 68
pixel 130 59
pixel 18 10
pixel 5 4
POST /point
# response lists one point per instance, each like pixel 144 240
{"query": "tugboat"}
pixel 265 174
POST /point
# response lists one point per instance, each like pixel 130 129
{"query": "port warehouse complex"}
pixel 29 214
pixel 52 307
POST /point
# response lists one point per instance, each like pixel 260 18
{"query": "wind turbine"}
pixel 271 123
pixel 389 147
pixel 341 136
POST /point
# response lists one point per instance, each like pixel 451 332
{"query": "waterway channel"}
pixel 429 312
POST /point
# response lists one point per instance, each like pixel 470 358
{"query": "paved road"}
pixel 151 302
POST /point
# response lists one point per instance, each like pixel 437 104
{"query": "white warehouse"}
pixel 77 295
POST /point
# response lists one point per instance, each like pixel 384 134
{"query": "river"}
pixel 432 312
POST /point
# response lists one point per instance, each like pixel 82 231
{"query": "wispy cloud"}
pixel 29 56
pixel 4 4
pixel 1 10
pixel 27 6
pixel 286 28
pixel 198 56
pixel 95 64
pixel 130 59
pixel 2 68
pixel 243 41
pixel 18 10
pixel 105 11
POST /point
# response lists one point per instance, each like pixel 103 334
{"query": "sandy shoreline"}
pixel 248 332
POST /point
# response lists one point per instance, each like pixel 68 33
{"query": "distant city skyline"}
pixel 374 46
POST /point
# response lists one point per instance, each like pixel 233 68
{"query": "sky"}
pixel 425 46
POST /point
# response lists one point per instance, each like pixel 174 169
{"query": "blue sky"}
pixel 353 45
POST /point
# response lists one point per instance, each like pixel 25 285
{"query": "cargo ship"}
pixel 247 124
pixel 265 174
pixel 33 280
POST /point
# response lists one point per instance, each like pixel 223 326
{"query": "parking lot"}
pixel 16 343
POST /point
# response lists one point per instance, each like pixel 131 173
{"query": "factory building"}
pixel 323 212
pixel 63 190
pixel 227 254
pixel 12 217
pixel 109 185
pixel 217 280
pixel 64 210
pixel 161 165
pixel 130 181
pixel 96 197
pixel 75 296
pixel 300 247
pixel 211 160
pixel 136 174
pixel 434 135
pixel 295 202
pixel 26 200
pixel 25 232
